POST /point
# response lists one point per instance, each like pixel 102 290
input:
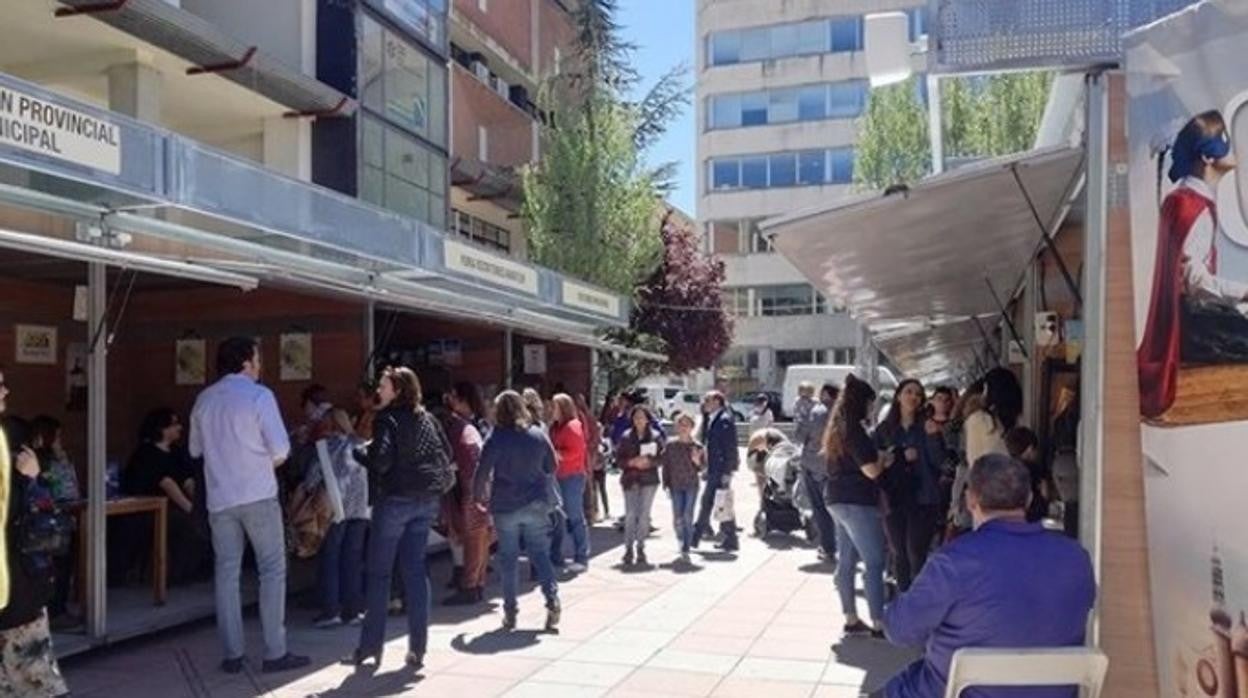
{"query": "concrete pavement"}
pixel 763 622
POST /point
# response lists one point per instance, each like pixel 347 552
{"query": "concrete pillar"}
pixel 134 89
pixel 97 451
pixel 288 146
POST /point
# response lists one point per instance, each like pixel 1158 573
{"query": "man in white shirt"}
pixel 237 429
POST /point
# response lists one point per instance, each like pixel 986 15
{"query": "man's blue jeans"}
pixel 819 512
pixel 261 523
pixel 860 535
pixel 572 492
pixel 340 568
pixel 400 527
pixel 532 525
pixel 684 501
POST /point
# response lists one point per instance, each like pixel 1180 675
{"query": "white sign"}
pixel 534 358
pixel 581 296
pixel 43 127
pixel 36 344
pixel 479 264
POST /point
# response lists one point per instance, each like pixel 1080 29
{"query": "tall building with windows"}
pixel 780 87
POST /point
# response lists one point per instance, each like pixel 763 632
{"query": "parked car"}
pixel 744 406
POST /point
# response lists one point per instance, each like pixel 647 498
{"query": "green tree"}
pixel 983 116
pixel 591 204
pixel 893 146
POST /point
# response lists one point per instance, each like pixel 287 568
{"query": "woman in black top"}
pixel 410 468
pixel 160 467
pixel 912 486
pixel 853 498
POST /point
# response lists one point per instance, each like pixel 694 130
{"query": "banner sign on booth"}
pixel 1187 132
pixel 583 297
pixel 47 128
pixel 480 264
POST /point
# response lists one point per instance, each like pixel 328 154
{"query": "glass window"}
pixel 811 167
pixel 846 100
pixel 782 106
pixel 918 23
pixel 398 80
pixel 842 170
pixel 758 242
pixel 754 172
pixel 399 173
pixel 846 34
pixel 783 170
pixel 725 111
pixel 789 357
pixel 787 299
pixel 754 109
pixel 812 103
pixel 812 37
pixel 784 38
pixel 725 48
pixel 737 301
pixel 756 44
pixel 725 173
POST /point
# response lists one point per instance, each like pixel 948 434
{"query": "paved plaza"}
pixel 763 623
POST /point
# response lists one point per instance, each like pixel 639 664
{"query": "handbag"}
pixel 310 518
pixel 46 529
pixel 331 481
pixel 723 510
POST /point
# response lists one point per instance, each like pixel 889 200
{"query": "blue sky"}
pixel 664 33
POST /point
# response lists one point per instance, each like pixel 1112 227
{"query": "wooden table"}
pixel 158 507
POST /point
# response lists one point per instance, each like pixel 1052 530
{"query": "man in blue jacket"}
pixel 1008 584
pixel 719 435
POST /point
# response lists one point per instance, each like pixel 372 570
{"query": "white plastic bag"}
pixel 723 510
pixel 331 482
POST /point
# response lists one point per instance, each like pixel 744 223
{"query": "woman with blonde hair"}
pixel 513 481
pixel 341 557
pixel 567 434
pixel 535 409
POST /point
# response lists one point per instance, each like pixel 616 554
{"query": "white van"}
pixel 819 374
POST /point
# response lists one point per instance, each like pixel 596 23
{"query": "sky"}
pixel 663 31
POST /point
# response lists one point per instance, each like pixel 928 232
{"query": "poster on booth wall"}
pixel 190 359
pixel 36 344
pixel 1187 120
pixel 296 359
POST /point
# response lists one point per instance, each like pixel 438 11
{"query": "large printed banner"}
pixel 1187 129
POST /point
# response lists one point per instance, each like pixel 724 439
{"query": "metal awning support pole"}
pixel 1005 315
pixel 1047 236
pixel 370 339
pixel 1092 375
pixel 97 453
pixel 987 341
pixel 508 358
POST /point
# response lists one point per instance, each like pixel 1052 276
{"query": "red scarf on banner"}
pixel 1158 356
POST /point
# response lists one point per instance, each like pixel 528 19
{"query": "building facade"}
pixel 780 87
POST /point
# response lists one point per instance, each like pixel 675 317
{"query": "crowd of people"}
pixel 524 475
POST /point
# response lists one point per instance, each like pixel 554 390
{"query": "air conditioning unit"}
pixel 481 70
pixel 500 86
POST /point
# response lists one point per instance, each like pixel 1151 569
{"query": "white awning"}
pixel 927 257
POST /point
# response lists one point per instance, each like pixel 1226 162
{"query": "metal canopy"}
pixel 946 353
pixel 200 42
pixel 926 258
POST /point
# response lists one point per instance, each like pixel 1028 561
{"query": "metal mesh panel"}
pixel 987 35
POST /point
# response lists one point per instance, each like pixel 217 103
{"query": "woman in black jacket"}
pixel 410 467
pixel 27 662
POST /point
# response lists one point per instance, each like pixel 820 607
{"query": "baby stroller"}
pixel 785 506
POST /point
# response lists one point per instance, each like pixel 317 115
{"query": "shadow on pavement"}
pixel 820 567
pixel 879 659
pixel 497 641
pixel 364 681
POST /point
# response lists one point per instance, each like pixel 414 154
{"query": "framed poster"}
pixel 190 362
pixel 296 359
pixel 36 344
pixel 534 359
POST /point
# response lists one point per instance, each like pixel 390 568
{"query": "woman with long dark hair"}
pixel 912 486
pixel 638 456
pixel 410 468
pixel 1002 406
pixel 852 496
pixel 467 524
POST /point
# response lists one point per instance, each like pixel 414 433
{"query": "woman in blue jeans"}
pixel 514 481
pixel 410 467
pixel 853 500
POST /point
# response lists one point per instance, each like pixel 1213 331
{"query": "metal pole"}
pixel 1044 233
pixel 97 454
pixel 935 123
pixel 508 358
pixel 370 339
pixel 1005 315
pixel 1092 378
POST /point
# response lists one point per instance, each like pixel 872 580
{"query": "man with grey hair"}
pixel 1010 583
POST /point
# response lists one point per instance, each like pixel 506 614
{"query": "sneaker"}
pixel 509 620
pixel 641 558
pixel 287 663
pixel 628 557
pixel 684 557
pixel 396 607
pixel 858 629
pixel 577 568
pixel 553 613
pixel 326 621
pixel 355 619
pixel 232 666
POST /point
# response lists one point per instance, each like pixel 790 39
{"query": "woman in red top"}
pixel 568 436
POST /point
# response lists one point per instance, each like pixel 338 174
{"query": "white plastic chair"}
pixel 1038 666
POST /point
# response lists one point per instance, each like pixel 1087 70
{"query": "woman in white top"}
pixel 985 429
pixel 761 417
